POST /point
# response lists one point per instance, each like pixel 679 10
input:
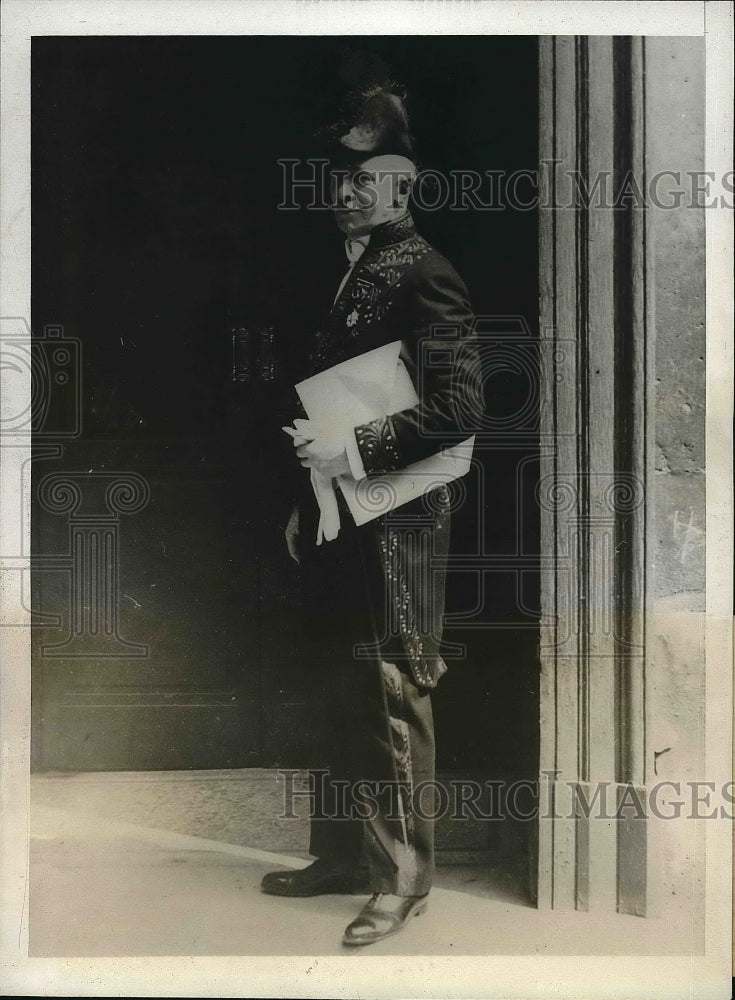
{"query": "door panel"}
pixel 173 687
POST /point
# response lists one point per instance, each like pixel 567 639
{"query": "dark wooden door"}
pixel 155 236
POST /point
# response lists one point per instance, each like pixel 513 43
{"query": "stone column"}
pixel 621 514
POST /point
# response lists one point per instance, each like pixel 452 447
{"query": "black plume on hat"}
pixel 371 119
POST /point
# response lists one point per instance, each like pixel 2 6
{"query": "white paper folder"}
pixel 359 390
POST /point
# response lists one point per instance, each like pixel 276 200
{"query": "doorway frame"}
pixel 595 464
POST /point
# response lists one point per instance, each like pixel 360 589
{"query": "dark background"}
pixel 155 233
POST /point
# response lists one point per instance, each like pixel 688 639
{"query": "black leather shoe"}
pixel 382 916
pixel 317 879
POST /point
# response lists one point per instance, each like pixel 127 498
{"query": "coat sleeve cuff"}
pixel 378 446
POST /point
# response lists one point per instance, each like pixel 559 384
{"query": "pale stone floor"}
pixel 156 863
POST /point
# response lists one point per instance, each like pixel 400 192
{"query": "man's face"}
pixel 371 192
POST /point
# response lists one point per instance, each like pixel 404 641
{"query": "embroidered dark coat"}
pixel 394 566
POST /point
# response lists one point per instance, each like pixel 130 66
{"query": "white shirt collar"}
pixel 355 247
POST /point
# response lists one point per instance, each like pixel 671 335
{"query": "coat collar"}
pixel 390 233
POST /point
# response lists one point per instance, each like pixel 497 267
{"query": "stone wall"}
pixel 675 278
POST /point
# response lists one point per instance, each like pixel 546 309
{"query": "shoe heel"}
pixel 422 908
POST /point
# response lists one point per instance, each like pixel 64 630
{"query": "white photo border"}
pixel 524 977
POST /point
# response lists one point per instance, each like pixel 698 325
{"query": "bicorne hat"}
pixel 371 117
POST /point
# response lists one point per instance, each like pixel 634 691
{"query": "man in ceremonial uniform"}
pixel 374 593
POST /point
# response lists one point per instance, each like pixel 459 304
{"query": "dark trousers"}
pixel 373 741
pixel 374 805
